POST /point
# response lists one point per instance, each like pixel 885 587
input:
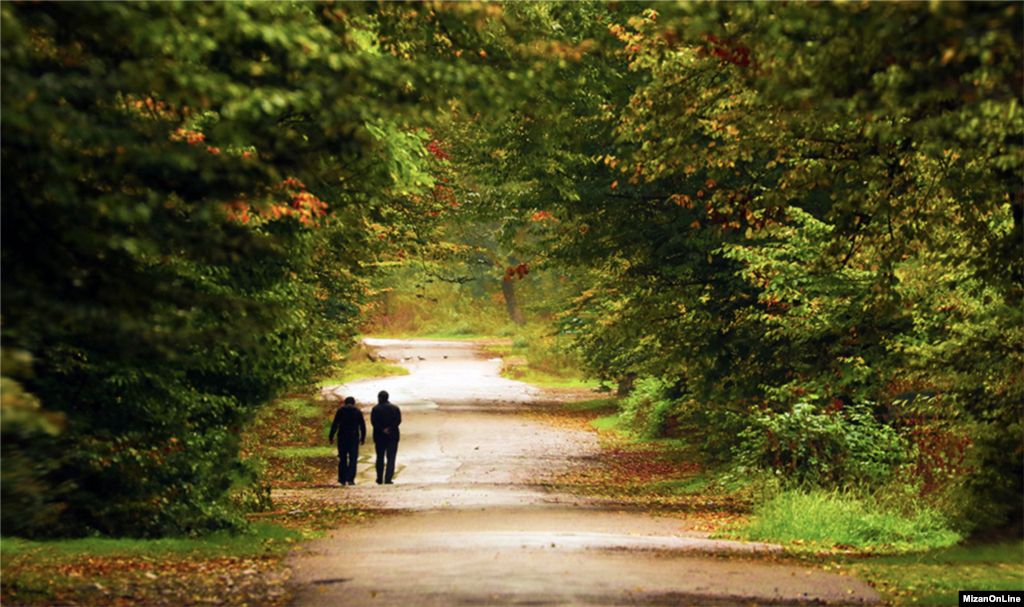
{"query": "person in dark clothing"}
pixel 350 426
pixel 385 419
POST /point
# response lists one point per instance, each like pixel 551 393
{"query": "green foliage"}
pixel 438 310
pixel 27 432
pixel 757 204
pixel 988 497
pixel 764 204
pixel 647 408
pixel 838 446
pixel 194 198
pixel 825 519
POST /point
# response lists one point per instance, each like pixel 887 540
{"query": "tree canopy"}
pixel 769 208
pixel 779 207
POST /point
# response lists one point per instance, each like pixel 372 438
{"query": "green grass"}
pixel 318 451
pixel 536 377
pixel 936 576
pixel 260 539
pixel 300 407
pixel 607 423
pixel 822 519
pixel 449 336
pixel 596 404
pixel 361 370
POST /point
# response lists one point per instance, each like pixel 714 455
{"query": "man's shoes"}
pixel 380 482
pixel 389 483
pixel 352 483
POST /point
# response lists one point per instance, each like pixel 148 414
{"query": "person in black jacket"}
pixel 350 426
pixel 385 419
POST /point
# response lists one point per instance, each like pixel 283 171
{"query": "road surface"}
pixel 468 524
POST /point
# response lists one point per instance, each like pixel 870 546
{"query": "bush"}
pixel 989 497
pixel 29 438
pixel 839 446
pixel 648 407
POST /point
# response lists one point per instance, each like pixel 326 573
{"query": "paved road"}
pixel 470 526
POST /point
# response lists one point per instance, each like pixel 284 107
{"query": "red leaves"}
pixel 729 52
pixel 939 457
pixel 542 216
pixel 302 205
pixel 438 150
pixel 521 271
pixel 444 194
pixel 774 307
pixel 193 137
pixel 736 212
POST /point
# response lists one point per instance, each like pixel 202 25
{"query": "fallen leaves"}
pixel 311 515
pixel 140 580
pixel 639 474
pixel 149 576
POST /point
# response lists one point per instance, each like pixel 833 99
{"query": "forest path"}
pixel 468 524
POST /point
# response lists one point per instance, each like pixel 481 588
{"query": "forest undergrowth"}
pixel 289 440
pixel 833 532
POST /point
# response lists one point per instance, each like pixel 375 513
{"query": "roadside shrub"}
pixel 648 407
pixel 990 495
pixel 29 439
pixel 544 353
pixel 838 446
pixel 460 328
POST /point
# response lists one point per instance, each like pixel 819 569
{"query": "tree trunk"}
pixel 508 289
pixel 626 385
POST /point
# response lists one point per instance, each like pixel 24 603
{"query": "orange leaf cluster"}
pixel 302 205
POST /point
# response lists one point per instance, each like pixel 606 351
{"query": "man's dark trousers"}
pixel 348 455
pixel 390 449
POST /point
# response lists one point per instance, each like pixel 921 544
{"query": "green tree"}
pixel 767 194
pixel 194 196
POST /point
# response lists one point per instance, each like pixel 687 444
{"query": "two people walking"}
pixel 350 427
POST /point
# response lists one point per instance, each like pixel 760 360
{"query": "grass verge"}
pixel 909 559
pixel 149 572
pixel 361 369
pixel 835 520
pixel 935 577
pixel 360 364
pixel 220 569
pixel 537 365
